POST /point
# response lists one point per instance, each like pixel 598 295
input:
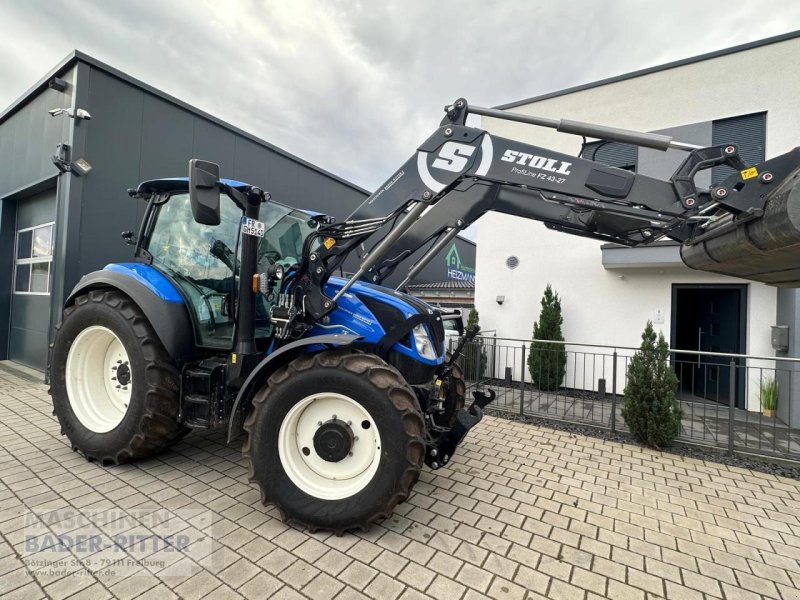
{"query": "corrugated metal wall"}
pixel 748 133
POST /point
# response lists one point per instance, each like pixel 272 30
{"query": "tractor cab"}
pixel 203 260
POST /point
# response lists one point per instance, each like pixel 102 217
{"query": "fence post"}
pixel 522 384
pixel 614 391
pixel 494 356
pixel 731 403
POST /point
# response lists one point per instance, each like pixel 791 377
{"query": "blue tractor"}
pixel 214 325
pixel 232 315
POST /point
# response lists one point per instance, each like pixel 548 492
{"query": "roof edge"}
pixel 77 56
pixel 648 70
pixel 67 62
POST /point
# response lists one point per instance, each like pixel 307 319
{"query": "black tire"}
pixel 391 403
pixel 151 420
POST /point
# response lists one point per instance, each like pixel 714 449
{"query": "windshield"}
pixel 286 231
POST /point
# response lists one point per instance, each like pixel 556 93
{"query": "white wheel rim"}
pixel 310 472
pixel 98 397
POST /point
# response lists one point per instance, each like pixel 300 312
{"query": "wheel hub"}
pixel 123 373
pixel 333 441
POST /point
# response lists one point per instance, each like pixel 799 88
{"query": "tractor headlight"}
pixel 423 342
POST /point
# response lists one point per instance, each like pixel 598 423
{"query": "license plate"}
pixel 253 227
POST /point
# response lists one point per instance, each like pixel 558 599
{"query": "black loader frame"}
pixel 461 172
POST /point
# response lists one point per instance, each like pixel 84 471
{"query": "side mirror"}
pixel 203 191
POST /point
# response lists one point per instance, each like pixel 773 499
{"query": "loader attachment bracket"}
pixel 699 160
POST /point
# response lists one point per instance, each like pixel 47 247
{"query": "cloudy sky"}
pixel 355 86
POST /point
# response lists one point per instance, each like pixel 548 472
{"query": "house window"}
pixel 613 154
pixel 34 259
pixel 747 132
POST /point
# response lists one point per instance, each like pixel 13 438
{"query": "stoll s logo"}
pixel 456 269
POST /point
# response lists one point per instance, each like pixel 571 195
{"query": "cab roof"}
pixel 177 184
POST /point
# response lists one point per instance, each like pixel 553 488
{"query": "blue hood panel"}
pixel 353 316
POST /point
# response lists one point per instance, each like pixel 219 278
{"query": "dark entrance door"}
pixel 709 318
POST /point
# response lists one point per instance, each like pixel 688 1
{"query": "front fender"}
pixel 270 364
pixel 155 296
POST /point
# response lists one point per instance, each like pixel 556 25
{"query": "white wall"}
pixel 600 306
pixel 612 306
pixel 752 81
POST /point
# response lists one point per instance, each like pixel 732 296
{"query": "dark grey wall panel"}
pixel 212 142
pixel 167 139
pixel 28 139
pixel 8 219
pixel 114 148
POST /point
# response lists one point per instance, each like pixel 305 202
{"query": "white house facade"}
pixel 747 95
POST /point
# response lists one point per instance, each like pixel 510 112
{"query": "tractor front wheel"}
pixel 335 440
pixel 115 388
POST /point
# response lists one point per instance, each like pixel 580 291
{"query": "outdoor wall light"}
pixel 72 113
pixel 80 167
pixel 500 299
pixel 61 159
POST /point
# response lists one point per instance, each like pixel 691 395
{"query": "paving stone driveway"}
pixel 524 512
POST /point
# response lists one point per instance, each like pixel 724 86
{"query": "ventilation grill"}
pixel 512 262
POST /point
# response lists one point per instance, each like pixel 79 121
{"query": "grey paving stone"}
pixel 521 512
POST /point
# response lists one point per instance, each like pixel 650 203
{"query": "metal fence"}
pixel 738 402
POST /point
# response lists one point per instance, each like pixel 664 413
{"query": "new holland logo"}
pixel 542 163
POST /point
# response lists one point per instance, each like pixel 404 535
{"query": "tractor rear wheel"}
pixel 335 440
pixel 115 388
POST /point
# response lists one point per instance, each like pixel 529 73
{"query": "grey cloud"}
pixel 354 87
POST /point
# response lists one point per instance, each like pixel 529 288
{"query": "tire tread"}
pixel 158 426
pixel 384 377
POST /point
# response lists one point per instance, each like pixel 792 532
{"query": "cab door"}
pixel 202 260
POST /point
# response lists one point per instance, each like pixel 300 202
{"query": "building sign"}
pixel 456 269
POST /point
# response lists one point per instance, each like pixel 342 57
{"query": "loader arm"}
pixel 460 172
pixel 466 172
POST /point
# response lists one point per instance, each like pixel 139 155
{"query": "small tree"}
pixel 547 363
pixel 651 411
pixel 474 354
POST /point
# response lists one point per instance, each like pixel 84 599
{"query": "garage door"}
pixel 30 299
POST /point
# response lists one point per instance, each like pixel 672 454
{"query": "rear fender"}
pixel 155 296
pixel 259 376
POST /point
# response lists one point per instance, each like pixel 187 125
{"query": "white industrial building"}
pixel 748 95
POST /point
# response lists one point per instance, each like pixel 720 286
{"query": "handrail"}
pixel 786 359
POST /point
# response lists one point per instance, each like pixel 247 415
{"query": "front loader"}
pixel 231 314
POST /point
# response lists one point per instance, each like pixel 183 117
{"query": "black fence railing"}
pixel 738 402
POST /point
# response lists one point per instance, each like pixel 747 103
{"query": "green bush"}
pixel 769 393
pixel 473 357
pixel 650 409
pixel 547 363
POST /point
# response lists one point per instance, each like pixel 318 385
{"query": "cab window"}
pixel 201 260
